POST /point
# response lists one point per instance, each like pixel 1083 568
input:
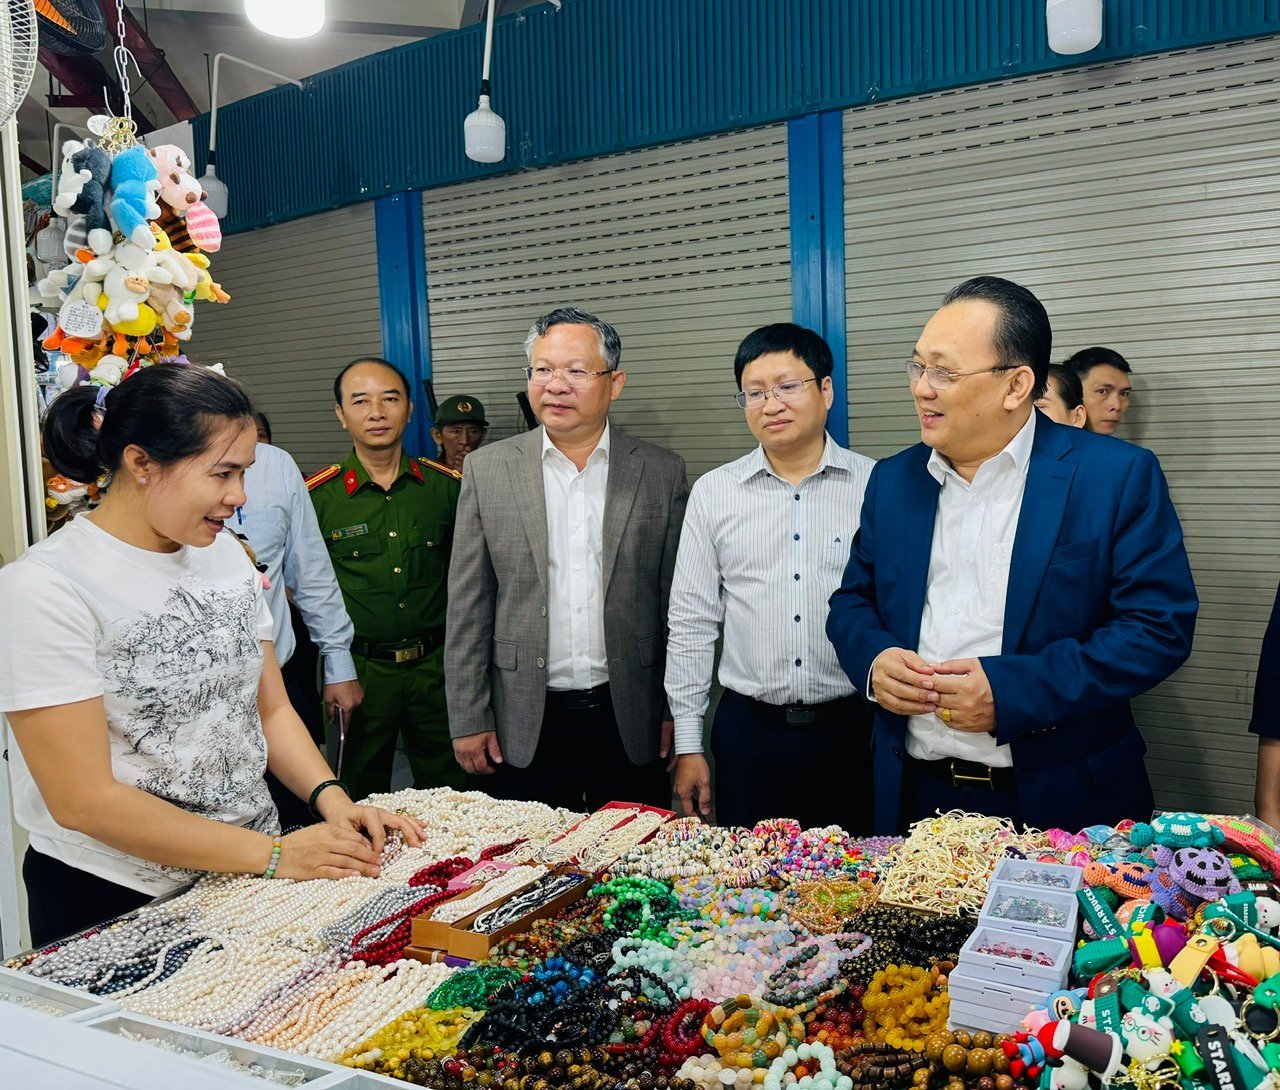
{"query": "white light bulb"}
pixel 1074 26
pixel 486 134
pixel 215 190
pixel 286 18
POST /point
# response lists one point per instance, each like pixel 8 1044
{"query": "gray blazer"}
pixel 495 647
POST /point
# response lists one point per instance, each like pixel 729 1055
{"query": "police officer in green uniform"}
pixel 388 522
pixel 460 428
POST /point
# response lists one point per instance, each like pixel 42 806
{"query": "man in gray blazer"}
pixel 564 546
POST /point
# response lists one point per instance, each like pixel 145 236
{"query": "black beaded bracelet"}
pixel 315 794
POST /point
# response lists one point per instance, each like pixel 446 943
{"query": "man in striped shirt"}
pixel 765 542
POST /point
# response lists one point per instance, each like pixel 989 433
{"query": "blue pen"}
pixel 240 515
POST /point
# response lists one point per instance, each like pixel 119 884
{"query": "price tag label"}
pixel 80 319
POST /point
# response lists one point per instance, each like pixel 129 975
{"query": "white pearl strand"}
pixel 604 851
pixel 465 823
pixel 215 986
pixel 399 987
pixel 583 835
pixel 488 894
pixel 288 911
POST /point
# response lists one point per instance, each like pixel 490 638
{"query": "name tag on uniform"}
pixel 350 531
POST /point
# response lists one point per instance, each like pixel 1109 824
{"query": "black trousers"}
pixel 62 899
pixel 580 762
pixel 924 793
pixel 819 774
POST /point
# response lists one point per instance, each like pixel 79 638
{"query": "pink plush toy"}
pixel 182 193
pixel 178 186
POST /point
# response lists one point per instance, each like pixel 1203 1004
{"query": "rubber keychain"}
pixel 1105 992
pixel 1259 1013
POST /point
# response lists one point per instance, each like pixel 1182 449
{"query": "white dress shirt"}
pixel 762 556
pixel 280 522
pixel 576 656
pixel 973 535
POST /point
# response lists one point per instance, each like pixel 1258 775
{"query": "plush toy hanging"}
pixel 137 234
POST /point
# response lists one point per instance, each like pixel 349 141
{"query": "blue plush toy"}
pixel 134 187
pixel 91 200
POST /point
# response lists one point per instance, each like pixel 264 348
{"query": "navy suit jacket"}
pixel 1101 606
pixel 1266 700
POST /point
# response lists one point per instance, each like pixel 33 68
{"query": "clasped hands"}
pixel 957 691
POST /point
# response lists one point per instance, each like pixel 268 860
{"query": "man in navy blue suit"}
pixel 1014 584
pixel 1266 722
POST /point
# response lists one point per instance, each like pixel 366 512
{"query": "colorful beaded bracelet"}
pixel 270 872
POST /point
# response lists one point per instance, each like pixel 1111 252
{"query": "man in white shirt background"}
pixel 765 541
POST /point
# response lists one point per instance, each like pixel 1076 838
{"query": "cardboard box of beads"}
pixel 472 936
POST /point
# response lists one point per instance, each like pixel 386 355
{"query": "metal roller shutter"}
pixel 1138 200
pixel 684 248
pixel 304 301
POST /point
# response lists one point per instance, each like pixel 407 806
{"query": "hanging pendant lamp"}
pixel 286 18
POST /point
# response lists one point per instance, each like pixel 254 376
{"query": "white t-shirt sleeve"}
pixel 48 641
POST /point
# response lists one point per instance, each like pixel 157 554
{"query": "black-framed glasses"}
pixel 577 377
pixel 940 377
pixel 787 392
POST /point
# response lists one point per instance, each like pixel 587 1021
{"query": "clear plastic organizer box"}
pixel 1028 872
pixel 317 1075
pixel 1031 910
pixel 52 999
pixel 1025 972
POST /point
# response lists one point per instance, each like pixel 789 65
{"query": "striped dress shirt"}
pixel 280 523
pixel 761 557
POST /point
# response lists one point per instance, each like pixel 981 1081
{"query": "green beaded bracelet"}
pixel 270 872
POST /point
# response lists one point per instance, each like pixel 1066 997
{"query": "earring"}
pixel 143 480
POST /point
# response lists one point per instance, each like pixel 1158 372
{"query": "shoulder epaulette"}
pixel 326 474
pixel 440 467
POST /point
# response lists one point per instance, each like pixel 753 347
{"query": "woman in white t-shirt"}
pixel 138 676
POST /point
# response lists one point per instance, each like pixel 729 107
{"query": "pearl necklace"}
pixel 490 893
pixel 568 847
pixel 377 999
pixel 604 851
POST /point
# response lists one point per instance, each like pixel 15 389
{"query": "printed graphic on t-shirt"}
pixel 181 685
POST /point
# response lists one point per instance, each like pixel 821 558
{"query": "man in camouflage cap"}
pixel 460 428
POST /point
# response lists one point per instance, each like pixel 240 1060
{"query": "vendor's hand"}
pixel 326 851
pixel 693 784
pixel 665 740
pixel 478 753
pixel 346 695
pixel 371 821
pixel 903 682
pixel 965 694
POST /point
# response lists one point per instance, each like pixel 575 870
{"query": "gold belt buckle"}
pixel 408 654
pixel 964 777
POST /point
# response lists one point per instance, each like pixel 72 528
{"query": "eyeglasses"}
pixel 577 377
pixel 786 392
pixel 940 378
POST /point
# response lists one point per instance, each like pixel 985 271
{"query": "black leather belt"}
pixel 968 773
pixel 400 651
pixel 578 700
pixel 799 715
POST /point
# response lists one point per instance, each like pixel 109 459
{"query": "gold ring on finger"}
pixel 944 714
